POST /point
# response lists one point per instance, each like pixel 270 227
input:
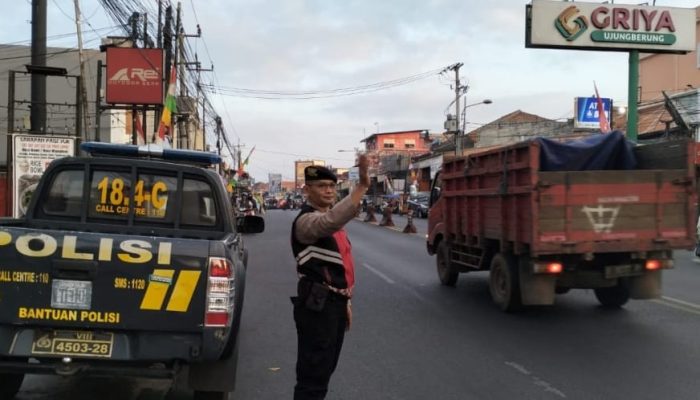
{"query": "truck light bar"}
pixel 150 151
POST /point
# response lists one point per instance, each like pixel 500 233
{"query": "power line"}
pixel 302 155
pixel 318 94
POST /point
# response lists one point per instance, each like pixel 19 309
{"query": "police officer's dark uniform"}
pixel 326 280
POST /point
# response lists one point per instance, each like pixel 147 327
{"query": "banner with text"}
pixel 31 154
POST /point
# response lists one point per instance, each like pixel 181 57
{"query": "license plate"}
pixel 76 295
pixel 73 343
pixel 619 271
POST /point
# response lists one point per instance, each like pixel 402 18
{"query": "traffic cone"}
pixel 410 228
pixel 386 219
pixel 370 215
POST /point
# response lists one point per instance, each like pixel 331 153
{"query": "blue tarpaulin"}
pixel 610 151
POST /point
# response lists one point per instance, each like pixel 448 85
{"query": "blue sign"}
pixel 587 112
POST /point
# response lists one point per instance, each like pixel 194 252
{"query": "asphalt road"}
pixel 414 339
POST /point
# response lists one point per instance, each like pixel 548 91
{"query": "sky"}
pixel 322 45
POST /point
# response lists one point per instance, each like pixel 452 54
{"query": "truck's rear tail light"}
pixel 220 292
pixel 547 268
pixel 219 267
pixel 653 265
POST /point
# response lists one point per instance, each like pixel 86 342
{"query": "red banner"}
pixel 134 76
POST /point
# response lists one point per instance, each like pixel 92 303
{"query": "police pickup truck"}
pixel 129 262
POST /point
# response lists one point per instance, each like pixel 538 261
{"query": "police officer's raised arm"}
pixel 312 226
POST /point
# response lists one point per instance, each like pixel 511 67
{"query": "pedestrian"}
pixel 322 308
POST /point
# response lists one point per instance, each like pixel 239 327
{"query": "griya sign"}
pixel 621 27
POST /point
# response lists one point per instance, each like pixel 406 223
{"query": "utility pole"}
pixel 181 64
pixel 204 103
pixel 38 90
pixel 198 68
pixel 167 38
pixel 238 155
pixel 218 135
pixel 134 36
pixel 83 89
pixel 458 94
pixel 159 35
pixel 144 123
pixel 183 137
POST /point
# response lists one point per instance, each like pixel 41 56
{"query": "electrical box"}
pixel 451 124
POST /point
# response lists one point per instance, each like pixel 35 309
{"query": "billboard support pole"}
pixel 10 128
pixel 98 101
pixel 632 85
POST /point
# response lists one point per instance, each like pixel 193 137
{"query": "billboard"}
pixel 586 112
pixel 275 183
pixel 134 76
pixel 621 27
pixel 354 174
pixel 31 154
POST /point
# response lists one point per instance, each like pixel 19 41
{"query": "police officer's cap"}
pixel 318 173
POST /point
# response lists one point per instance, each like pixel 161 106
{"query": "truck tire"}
pixel 614 297
pixel 504 283
pixel 448 276
pixel 10 385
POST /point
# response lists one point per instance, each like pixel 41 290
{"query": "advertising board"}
pixel 31 154
pixel 621 27
pixel 134 76
pixel 586 112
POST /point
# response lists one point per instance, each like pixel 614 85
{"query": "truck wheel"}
pixel 504 283
pixel 10 385
pixel 448 276
pixel 614 297
pixel 200 395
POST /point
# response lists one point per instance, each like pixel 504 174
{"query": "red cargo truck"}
pixel 542 228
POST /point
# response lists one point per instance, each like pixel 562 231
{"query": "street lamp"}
pixel 458 139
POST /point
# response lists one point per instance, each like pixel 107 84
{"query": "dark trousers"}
pixel 319 339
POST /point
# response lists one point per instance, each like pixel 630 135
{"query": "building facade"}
pixel 390 155
pixel 669 72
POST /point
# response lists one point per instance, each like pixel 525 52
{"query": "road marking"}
pixel 390 281
pixel 379 273
pixel 546 386
pixel 678 304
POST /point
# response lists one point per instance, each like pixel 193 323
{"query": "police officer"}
pixel 322 308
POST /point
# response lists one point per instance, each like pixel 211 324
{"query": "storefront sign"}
pixel 134 76
pixel 586 112
pixel 622 27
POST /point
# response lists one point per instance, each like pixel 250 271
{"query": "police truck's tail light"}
pixel 547 268
pixel 220 293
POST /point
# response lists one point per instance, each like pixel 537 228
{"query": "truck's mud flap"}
pixel 217 376
pixel 647 286
pixel 536 290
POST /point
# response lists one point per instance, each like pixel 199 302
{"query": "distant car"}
pixel 419 206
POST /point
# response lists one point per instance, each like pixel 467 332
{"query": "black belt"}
pixel 305 283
